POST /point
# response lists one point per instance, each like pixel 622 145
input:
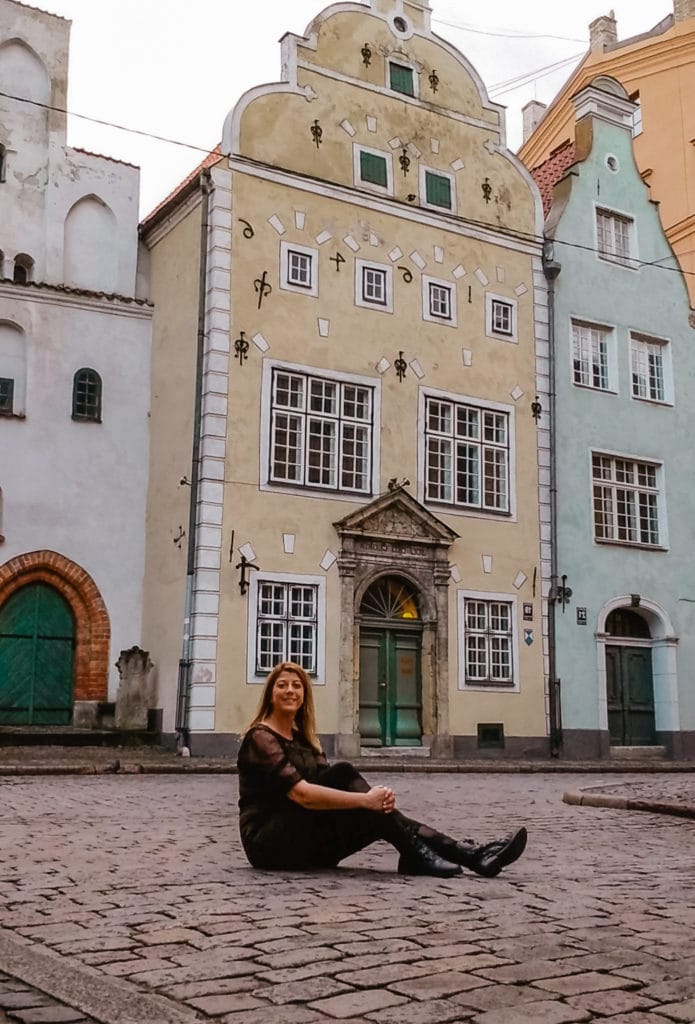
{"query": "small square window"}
pixel 373 169
pixel 502 313
pixel 401 79
pixel 6 396
pixel 440 301
pixel 373 286
pixel 500 317
pixel 437 190
pixel 299 268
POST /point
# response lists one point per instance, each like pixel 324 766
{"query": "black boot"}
pixel 417 858
pixel 486 860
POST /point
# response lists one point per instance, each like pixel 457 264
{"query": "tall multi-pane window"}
pixel 286 625
pixel 590 355
pixel 488 634
pixel 86 395
pixel 321 433
pixel 647 364
pixel 614 236
pixel 626 500
pixel 466 456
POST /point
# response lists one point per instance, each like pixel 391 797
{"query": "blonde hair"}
pixel 305 719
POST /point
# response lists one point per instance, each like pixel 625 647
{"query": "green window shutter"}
pixel 402 79
pixel 438 190
pixel 373 169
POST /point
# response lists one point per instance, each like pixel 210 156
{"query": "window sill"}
pixel 12 415
pixel 629 544
pixel 653 401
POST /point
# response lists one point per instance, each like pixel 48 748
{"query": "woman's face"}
pixel 288 693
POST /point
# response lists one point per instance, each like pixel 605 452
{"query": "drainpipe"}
pixel 551 269
pixel 186 662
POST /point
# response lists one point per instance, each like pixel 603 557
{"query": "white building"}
pixel 74 394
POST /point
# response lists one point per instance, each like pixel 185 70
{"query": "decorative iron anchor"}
pixel 262 287
pixel 245 565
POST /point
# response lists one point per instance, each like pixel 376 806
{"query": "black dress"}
pixel 278 833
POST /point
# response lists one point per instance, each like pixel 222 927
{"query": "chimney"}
pixel 532 114
pixel 604 31
pixel 683 9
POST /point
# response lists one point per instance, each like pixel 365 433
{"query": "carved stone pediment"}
pixel 396 516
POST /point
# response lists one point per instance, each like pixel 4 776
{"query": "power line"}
pixel 476 30
pixel 512 233
pixel 531 76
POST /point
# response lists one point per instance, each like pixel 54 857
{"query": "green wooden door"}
pixel 37 639
pixel 390 687
pixel 630 687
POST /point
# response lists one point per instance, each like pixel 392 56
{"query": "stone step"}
pixel 638 753
pixel 67 736
pixel 397 753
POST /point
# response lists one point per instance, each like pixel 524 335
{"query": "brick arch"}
pixel 92 628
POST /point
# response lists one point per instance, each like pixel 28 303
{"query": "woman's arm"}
pixel 323 798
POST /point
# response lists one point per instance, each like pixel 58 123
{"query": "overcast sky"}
pixel 175 68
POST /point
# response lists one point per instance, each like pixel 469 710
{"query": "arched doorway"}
pixel 37 642
pixel 629 680
pixel 390 682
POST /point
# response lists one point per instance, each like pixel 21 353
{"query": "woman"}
pixel 296 812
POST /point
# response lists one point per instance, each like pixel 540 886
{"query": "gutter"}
pixel 186 662
pixel 551 269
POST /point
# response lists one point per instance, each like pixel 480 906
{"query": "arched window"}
pixel 625 623
pixel 86 395
pixel 23 268
pixel 390 598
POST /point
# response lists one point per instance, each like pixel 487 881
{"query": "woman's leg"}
pixel 487 859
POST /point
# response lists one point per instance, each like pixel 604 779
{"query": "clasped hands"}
pixel 382 799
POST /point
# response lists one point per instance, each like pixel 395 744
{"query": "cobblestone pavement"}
pixel 128 899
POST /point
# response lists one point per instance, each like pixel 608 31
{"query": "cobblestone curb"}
pixel 624 803
pixel 56 985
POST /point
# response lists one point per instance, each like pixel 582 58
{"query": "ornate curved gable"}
pixel 396 516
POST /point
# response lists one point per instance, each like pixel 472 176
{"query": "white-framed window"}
pixel 286 622
pixel 439 301
pixel 488 646
pixel 437 189
pixel 650 366
pixel 299 268
pixel 401 76
pixel 627 495
pixel 374 285
pixel 467 454
pixel 318 431
pixel 615 237
pixel 373 169
pixel 500 317
pixel 593 355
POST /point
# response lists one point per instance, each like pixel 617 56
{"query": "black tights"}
pixel 333 835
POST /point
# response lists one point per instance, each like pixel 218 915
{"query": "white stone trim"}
pixel 427 314
pixel 215 392
pixel 451 178
pixel 500 688
pixel 371 186
pixel 305 250
pixel 384 268
pixel 490 332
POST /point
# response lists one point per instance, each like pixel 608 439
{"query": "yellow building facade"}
pixel 657 69
pixel 369 468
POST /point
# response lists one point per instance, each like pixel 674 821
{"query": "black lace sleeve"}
pixel 263 764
